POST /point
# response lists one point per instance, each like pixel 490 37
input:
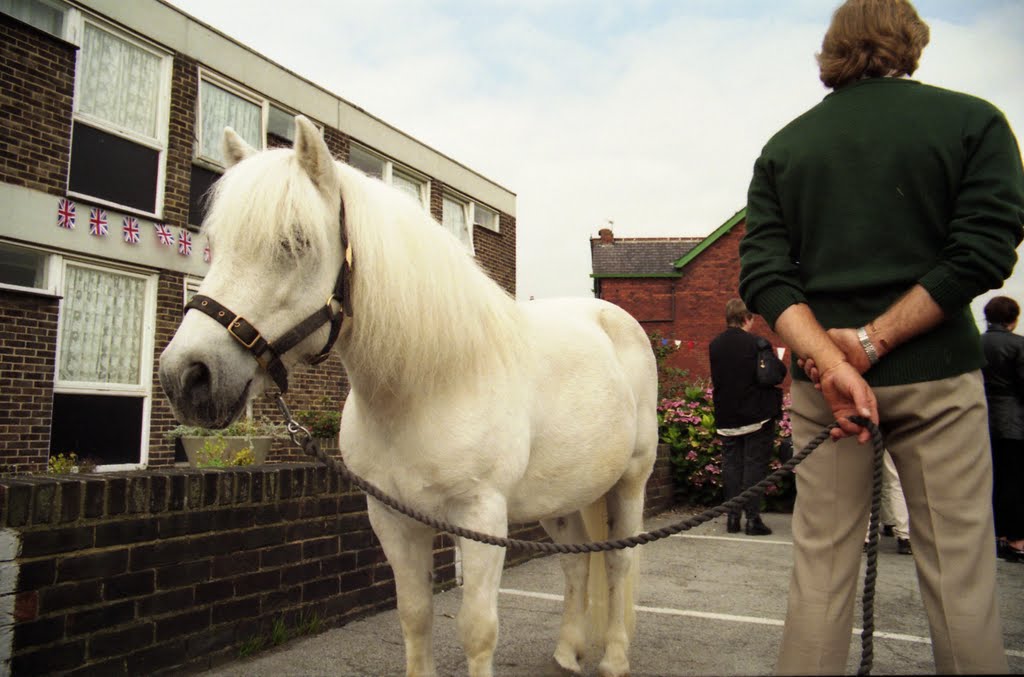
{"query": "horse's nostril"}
pixel 196 377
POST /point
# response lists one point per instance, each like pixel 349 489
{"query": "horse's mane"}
pixel 425 312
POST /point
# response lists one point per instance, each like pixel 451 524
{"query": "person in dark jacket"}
pixel 745 413
pixel 1004 391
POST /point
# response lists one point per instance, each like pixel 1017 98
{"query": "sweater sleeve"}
pixel 986 224
pixel 769 279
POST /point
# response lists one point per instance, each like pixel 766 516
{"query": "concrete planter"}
pixel 260 447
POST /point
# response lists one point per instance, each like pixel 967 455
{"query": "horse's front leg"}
pixel 481 575
pixel 409 547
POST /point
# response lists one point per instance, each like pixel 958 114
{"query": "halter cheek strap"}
pixel 268 354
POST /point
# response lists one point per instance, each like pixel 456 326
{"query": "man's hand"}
pixel 848 394
pixel 846 340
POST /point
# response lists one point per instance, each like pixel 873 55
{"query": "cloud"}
pixel 649 114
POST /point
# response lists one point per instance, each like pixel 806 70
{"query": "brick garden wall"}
pixel 177 570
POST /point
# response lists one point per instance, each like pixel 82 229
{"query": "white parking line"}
pixel 754 620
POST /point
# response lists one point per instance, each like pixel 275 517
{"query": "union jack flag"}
pixel 164 234
pixel 184 243
pixel 206 254
pixel 97 221
pixel 130 229
pixel 66 214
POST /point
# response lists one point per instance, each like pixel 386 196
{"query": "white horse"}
pixel 464 404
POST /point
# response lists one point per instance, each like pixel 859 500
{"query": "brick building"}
pixel 112 118
pixel 675 287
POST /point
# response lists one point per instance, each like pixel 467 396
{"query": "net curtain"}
pixel 102 327
pixel 220 109
pixel 120 82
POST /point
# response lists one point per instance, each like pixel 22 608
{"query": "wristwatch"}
pixel 867 345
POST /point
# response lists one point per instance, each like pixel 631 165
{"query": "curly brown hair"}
pixel 871 38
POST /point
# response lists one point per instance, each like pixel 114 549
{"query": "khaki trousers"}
pixel 937 433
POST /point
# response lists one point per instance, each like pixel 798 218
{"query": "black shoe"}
pixel 756 527
pixel 903 546
pixel 733 525
pixel 1012 554
pixel 1001 547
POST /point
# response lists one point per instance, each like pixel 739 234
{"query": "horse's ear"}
pixel 312 152
pixel 235 148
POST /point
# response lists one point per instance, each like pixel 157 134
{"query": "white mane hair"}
pixel 424 312
pixel 267 204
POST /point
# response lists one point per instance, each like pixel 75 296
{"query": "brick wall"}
pixel 181 132
pixel 175 570
pixel 37 72
pixel 28 339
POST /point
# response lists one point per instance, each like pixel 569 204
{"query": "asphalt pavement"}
pixel 709 603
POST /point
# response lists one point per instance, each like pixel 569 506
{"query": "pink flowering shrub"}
pixel 687 425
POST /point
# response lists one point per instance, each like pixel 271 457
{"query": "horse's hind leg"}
pixel 625 518
pixel 572 636
pixel 409 548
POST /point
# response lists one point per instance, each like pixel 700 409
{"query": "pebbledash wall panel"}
pixel 168 571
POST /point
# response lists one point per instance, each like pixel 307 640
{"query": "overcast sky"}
pixel 644 113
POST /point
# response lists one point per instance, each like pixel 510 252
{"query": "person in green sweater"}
pixel 873 220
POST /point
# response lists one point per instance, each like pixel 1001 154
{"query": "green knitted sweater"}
pixel 885 184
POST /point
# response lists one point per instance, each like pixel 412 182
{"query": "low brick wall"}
pixel 175 570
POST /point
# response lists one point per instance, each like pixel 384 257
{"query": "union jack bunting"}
pixel 97 222
pixel 66 214
pixel 206 254
pixel 130 229
pixel 184 243
pixel 164 234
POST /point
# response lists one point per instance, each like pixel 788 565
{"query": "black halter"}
pixel 268 354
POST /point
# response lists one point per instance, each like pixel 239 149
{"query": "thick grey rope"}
pixel 301 437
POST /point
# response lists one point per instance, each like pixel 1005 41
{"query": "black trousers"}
pixel 1007 492
pixel 745 463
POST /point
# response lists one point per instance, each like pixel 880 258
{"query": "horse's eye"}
pixel 296 245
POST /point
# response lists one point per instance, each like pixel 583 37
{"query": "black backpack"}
pixel 770 369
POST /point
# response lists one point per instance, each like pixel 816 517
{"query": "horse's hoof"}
pixel 568 661
pixel 608 669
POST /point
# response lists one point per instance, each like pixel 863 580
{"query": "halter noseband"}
pixel 268 354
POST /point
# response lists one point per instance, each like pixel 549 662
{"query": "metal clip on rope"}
pixel 302 437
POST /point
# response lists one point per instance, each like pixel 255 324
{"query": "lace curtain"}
pixel 453 217
pixel 101 327
pixel 120 82
pixel 220 109
pixel 407 185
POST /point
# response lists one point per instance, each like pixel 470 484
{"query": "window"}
pixel 199 186
pixel 119 135
pixel 220 106
pixel 23 268
pixel 455 217
pixel 281 123
pixel 46 15
pixel 381 168
pixel 485 217
pixel 104 365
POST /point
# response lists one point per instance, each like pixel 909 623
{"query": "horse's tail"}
pixel 595 518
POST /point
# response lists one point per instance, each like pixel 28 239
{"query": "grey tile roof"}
pixel 639 256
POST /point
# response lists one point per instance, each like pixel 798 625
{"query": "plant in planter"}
pixel 244 442
pixel 322 423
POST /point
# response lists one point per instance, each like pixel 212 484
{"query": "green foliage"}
pixel 62 465
pixel 309 623
pixel 320 423
pixel 245 427
pixel 671 380
pixel 213 454
pixel 687 425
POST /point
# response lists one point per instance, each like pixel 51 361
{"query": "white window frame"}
pixel 144 388
pixel 479 208
pixel 60 7
pixel 75 28
pixel 51 271
pixel 190 288
pixel 467 210
pixel 239 91
pixel 390 168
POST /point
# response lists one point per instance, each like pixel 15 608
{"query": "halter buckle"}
pixel 238 322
